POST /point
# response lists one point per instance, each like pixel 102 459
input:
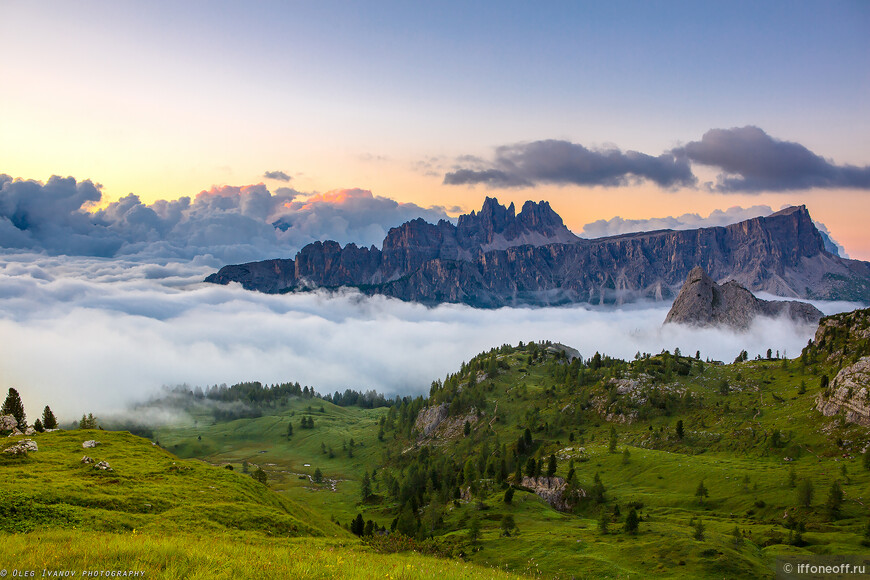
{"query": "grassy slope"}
pixel 173 518
pixel 723 445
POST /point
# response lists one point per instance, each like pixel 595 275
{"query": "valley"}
pixel 748 432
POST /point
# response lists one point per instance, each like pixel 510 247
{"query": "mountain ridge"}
pixel 496 258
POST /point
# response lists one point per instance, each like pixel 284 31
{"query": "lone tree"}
pixel 366 487
pixel 614 439
pixel 632 522
pixel 48 419
pixel 701 492
pixel 13 406
pixel 260 475
pixel 698 534
pixel 835 500
pixel 318 475
pixel 680 431
pixel 289 430
pixel 603 520
pixel 509 495
pixel 508 525
pixel 37 426
pixel 805 492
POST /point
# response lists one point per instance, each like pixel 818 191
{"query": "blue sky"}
pixel 165 99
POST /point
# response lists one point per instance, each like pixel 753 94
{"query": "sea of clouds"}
pixel 86 334
pixel 102 307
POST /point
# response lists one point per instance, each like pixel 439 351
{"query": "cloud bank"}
pixel 222 225
pixel 750 160
pixel 94 334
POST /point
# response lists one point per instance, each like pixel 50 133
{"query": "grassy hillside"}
pixel 173 518
pixel 653 430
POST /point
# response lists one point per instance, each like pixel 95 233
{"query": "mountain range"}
pixel 497 257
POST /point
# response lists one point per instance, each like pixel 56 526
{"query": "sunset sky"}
pixel 631 109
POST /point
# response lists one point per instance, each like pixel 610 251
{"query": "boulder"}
pixel 90 444
pixel 29 431
pixel 86 459
pixel 103 465
pixel 554 490
pixel 8 423
pixel 22 447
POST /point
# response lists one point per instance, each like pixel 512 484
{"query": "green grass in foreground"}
pixel 209 556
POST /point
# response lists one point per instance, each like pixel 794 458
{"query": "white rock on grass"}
pixel 22 447
pixel 90 444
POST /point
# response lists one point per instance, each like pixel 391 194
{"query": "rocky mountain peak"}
pixel 703 302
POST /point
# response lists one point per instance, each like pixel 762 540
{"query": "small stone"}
pixel 103 465
pixel 87 459
pixel 90 444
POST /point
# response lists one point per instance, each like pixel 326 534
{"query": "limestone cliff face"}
pixel 849 394
pixel 703 302
pixel 498 258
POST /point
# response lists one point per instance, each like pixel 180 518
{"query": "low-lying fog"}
pixel 92 335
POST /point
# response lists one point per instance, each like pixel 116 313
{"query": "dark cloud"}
pixel 566 163
pixel 226 224
pixel 277 176
pixel 753 161
pixel 750 160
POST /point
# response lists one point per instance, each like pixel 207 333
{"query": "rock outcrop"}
pixel 849 394
pixel 90 444
pixel 496 258
pixel 554 490
pixel 22 447
pixel 429 418
pixel 703 302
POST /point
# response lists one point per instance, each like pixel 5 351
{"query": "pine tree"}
pixel 474 530
pixel 805 492
pixel 613 439
pixel 632 522
pixel 37 425
pixel 357 526
pixel 48 419
pixel 509 495
pixel 701 492
pixel 699 530
pixel 289 430
pixel 318 475
pixel 531 466
pixel 680 431
pixel 603 520
pixel 13 406
pixel 260 475
pixel 366 487
pixel 835 500
pixel 551 466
